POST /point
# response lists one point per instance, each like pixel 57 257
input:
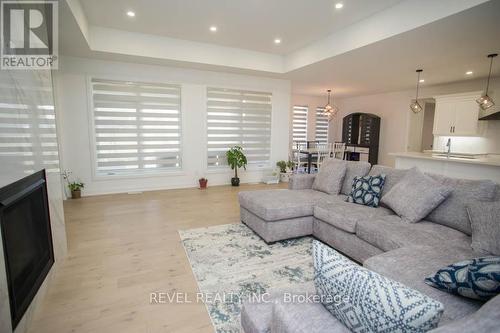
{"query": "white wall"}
pixel 73 104
pixel 393 108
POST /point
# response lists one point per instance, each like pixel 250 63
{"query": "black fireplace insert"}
pixel 27 240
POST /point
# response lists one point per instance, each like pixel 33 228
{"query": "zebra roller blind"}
pixel 238 118
pixel 321 135
pixel 299 124
pixel 137 126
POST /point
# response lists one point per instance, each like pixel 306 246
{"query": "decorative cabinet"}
pixel 457 115
pixel 360 132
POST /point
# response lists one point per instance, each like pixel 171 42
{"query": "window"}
pixel 137 126
pixel 242 118
pixel 321 126
pixel 299 124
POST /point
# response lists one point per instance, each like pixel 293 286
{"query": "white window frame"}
pixel 145 173
pixel 223 167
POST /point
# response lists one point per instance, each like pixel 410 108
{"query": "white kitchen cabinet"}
pixel 457 115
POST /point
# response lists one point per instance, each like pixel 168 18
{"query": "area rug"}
pixel 232 260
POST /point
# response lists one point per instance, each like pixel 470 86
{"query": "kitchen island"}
pixel 486 167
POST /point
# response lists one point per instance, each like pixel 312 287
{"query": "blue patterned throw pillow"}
pixel 365 301
pixel 477 278
pixel 367 190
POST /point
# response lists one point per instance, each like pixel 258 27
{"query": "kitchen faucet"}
pixel 448 144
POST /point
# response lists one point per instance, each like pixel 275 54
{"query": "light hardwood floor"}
pixel 123 247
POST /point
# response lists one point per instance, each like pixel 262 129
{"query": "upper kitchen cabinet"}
pixel 457 115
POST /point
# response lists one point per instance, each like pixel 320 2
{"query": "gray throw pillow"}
pixel 452 212
pixel 354 169
pixel 485 222
pixel 415 196
pixel 365 301
pixel 330 176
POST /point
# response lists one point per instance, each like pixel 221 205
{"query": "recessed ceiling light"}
pixel 339 5
pixel 277 41
pixel 421 81
pixel 469 73
pixel 131 13
pixel 213 28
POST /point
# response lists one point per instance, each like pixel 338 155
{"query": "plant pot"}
pixel 203 183
pixel 76 194
pixel 235 181
pixel 284 177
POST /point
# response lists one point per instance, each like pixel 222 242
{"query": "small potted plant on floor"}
pixel 76 189
pixel 285 170
pixel 236 159
pixel 203 183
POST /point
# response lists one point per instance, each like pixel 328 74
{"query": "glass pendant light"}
pixel 415 106
pixel 330 110
pixel 485 101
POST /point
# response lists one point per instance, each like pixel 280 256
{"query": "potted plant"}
pixel 285 170
pixel 76 189
pixel 236 159
pixel 203 183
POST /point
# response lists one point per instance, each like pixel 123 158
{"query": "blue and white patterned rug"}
pixel 232 260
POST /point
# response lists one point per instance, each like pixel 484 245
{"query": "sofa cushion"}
pixel 484 218
pixel 354 168
pixel 369 301
pixel 301 181
pixel 392 176
pixel 304 318
pixel 452 211
pixel 390 232
pixel 367 190
pixel 256 317
pixel 415 196
pixel 344 215
pixel 274 205
pixel 484 320
pixel 477 278
pixel 411 265
pixel 330 176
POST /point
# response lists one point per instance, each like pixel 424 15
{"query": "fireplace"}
pixel 27 240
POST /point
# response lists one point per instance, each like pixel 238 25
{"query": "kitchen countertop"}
pixel 488 160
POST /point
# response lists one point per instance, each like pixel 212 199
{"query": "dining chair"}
pixel 300 164
pixel 339 150
pixel 324 152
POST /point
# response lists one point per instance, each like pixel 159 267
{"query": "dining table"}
pixel 310 153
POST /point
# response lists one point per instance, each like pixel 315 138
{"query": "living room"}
pixel 284 166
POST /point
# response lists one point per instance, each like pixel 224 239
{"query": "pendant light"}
pixel 415 106
pixel 330 110
pixel 485 101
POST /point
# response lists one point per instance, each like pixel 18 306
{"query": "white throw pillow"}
pixel 365 301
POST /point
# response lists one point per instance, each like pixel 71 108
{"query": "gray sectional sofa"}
pixel 374 237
